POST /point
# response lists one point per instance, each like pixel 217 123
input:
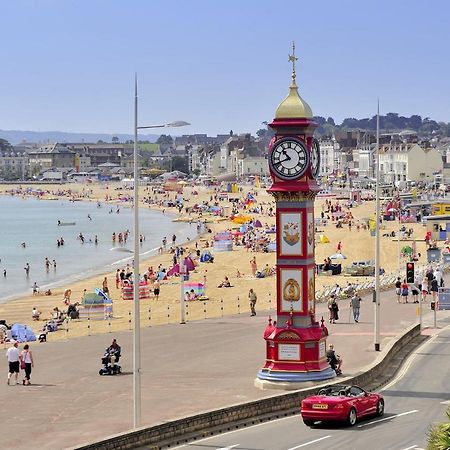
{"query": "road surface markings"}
pixel 446 402
pixel 409 362
pixel 410 448
pixel 229 447
pixel 388 418
pixel 310 442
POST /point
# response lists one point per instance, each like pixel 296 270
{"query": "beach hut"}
pixel 96 306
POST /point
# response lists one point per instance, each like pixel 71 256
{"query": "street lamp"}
pixel 136 308
pixel 376 332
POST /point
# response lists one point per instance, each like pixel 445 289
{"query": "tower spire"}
pixel 292 58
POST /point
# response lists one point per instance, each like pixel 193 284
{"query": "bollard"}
pixel 168 314
pixel 239 305
pixel 129 319
pixel 187 311
pixel 221 306
pixel 270 300
pixel 109 325
pixel 89 326
pixel 149 317
pixel 204 308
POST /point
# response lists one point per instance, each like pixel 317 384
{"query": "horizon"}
pixel 211 68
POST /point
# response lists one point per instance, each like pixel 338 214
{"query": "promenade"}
pixel 186 369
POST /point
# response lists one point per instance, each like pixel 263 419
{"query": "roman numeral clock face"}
pixel 289 159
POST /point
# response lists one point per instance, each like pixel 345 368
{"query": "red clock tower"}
pixel 296 344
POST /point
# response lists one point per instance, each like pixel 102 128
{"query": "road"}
pixel 418 396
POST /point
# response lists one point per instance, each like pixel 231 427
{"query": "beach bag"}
pixel 22 363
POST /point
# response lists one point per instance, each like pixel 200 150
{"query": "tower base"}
pixel 291 380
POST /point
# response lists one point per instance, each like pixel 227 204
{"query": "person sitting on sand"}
pixel 225 283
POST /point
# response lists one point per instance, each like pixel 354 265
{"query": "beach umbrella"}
pixel 338 256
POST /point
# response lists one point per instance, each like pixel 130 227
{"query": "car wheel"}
pixel 380 408
pixel 308 423
pixel 351 419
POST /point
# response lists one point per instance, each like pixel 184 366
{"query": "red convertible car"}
pixel 341 403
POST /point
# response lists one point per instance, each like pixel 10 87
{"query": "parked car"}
pixel 342 404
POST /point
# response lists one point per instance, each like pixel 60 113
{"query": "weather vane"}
pixel 293 58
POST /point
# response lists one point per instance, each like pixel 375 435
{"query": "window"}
pixel 355 391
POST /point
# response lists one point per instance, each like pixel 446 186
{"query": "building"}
pixel 13 164
pixel 409 162
pixel 51 155
pixel 329 159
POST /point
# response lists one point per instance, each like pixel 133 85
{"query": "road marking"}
pixel 410 448
pixel 446 402
pixel 229 447
pixel 409 362
pixel 310 442
pixel 388 418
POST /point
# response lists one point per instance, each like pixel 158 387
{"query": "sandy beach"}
pixel 357 245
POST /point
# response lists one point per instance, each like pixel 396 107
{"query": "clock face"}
pixel 289 159
pixel 315 158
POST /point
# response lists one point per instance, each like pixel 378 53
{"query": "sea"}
pixel 35 223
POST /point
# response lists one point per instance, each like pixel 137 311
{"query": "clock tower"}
pixel 296 343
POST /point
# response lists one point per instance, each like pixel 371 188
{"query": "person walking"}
pixel 12 354
pixel 398 289
pixel 339 247
pixel 405 291
pixel 26 363
pixel 252 299
pixel 425 289
pixel 355 304
pixel 434 288
pixel 333 308
pixel 156 289
pixel 105 286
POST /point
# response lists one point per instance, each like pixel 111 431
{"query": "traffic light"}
pixel 410 272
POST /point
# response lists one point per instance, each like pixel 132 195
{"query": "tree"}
pixel 330 121
pixel 439 435
pixel 165 139
pixel 5 145
pixel 115 140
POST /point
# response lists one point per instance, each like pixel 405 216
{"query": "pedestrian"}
pixel 438 275
pixel 117 278
pixel 27 269
pixel 26 363
pixel 339 247
pixel 35 288
pixel 425 289
pixel 355 304
pixel 105 286
pixel 156 289
pixel 13 362
pixel 253 266
pixel 252 298
pixel 434 288
pixel 333 308
pixel 398 289
pixel 405 291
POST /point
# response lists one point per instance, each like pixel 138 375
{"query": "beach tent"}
pixel 324 239
pixel 206 257
pixel 257 224
pixel 96 306
pixel 128 291
pixel 22 333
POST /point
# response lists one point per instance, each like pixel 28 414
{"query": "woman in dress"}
pixel 405 291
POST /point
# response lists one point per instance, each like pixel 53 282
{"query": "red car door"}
pixel 360 400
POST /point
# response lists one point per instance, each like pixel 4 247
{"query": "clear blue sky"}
pixel 68 65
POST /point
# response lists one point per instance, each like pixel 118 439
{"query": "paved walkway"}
pixel 187 369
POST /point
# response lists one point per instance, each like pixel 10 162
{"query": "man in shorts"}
pixel 13 361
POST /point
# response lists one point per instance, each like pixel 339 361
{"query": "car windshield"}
pixel 335 391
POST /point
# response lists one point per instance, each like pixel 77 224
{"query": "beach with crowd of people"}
pixel 343 236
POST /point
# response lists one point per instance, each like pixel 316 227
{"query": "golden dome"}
pixel 293 106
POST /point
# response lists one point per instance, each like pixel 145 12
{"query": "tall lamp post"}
pixel 136 305
pixel 376 334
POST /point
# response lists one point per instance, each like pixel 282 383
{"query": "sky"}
pixel 69 65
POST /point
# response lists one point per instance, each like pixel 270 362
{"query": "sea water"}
pixel 35 223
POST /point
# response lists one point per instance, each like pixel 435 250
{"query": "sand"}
pixel 356 246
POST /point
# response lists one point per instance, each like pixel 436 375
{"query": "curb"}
pixel 199 426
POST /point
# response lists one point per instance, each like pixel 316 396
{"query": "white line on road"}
pixel 446 402
pixel 310 442
pixel 388 418
pixel 410 448
pixel 229 447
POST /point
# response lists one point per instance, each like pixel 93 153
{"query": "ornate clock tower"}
pixel 296 343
